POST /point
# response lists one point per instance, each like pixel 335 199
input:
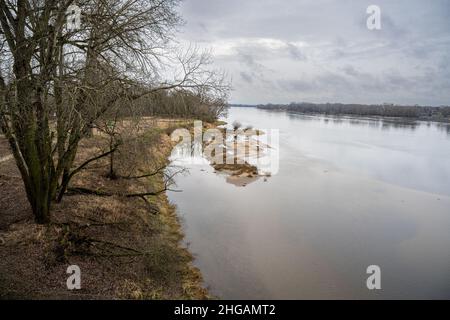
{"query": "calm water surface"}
pixel 349 193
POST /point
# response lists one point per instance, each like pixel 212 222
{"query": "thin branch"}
pixel 158 171
pixel 87 162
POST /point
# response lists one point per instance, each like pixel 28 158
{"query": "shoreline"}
pixel 125 248
pixel 355 116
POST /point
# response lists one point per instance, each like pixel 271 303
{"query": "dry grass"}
pixel 126 248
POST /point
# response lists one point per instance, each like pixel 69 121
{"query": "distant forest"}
pixel 385 110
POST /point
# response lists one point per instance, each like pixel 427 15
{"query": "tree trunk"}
pixel 32 141
pixel 64 184
pixel 112 172
pixel 41 208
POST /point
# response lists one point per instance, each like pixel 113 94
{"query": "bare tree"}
pixel 55 83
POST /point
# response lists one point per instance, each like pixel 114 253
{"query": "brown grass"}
pixel 126 248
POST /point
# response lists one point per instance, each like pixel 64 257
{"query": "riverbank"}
pixel 126 248
pixel 419 113
pixel 385 119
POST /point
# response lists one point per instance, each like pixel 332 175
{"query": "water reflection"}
pixel 373 122
pixel 350 193
pixel 443 127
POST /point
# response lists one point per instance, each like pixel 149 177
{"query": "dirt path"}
pixel 7 158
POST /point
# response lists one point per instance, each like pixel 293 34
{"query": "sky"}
pixel 282 51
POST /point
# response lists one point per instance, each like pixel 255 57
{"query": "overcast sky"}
pixel 321 50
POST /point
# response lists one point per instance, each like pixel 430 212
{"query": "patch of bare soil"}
pixel 127 248
pixel 14 206
pixel 4 149
pixel 233 161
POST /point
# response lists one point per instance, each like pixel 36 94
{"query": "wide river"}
pixel 349 193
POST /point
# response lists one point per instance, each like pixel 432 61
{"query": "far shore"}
pixel 404 119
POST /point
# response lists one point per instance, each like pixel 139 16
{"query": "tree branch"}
pixel 87 162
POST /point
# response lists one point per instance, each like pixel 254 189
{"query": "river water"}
pixel 349 193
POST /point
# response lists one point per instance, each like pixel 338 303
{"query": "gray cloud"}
pixel 321 50
pixel 246 77
pixel 295 52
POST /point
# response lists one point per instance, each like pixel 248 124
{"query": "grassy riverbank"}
pixel 127 248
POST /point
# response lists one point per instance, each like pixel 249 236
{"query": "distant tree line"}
pixel 385 110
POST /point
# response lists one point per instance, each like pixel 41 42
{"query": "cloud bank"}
pixel 321 50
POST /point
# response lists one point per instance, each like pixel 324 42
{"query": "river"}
pixel 349 193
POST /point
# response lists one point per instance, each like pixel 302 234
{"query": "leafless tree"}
pixel 55 83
